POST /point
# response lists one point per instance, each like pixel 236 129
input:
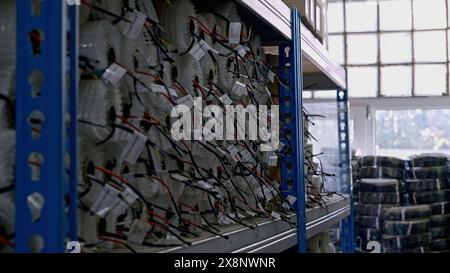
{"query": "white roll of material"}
pixel 7 33
pixel 89 156
pixel 116 7
pixel 188 70
pixel 100 43
pixel 97 102
pixel 210 72
pixel 7 157
pixel 177 24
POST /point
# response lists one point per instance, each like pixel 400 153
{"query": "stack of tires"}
pixel 379 188
pixel 426 184
pixel 406 229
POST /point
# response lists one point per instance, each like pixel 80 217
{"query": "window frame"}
pixel 379 64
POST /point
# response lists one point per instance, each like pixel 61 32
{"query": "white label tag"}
pixel 235 33
pixel 129 196
pixel 137 232
pixel 180 177
pixel 187 100
pixel 271 76
pixel 197 52
pixel 134 147
pixel 239 89
pixel 275 215
pixel 119 208
pixel 114 74
pixel 251 213
pixel 271 158
pixel 204 185
pixel 206 47
pixel 225 99
pixel 106 200
pixel 133 29
pixel 233 150
pixel 157 88
pixel 280 146
pixel 241 51
pixel 149 9
pixel 291 199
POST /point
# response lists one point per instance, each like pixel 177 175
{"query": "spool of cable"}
pixel 381 161
pixel 370 210
pixel 406 242
pixel 379 197
pixel 441 208
pixel 116 7
pixel 380 172
pixel 7 33
pixel 89 157
pixel 406 227
pixel 188 70
pixel 99 44
pixel 440 232
pixel 440 244
pixel 440 220
pixel 7 219
pixel 379 185
pixel 428 172
pixel 437 184
pixel 175 19
pixel 406 213
pixel 369 234
pixel 428 161
pixel 426 197
pixel 99 105
pixel 369 222
pixel 7 159
pixel 210 68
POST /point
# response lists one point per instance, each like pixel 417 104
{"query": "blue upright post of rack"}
pixel 347 226
pixel 73 129
pixel 41 136
pixel 291 108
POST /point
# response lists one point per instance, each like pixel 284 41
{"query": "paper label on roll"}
pixel 107 199
pixel 235 33
pixel 241 51
pixel 225 99
pixel 114 74
pixel 239 89
pixel 275 215
pixel 133 29
pixel 198 51
pixel 135 146
pixel 137 232
pixel 187 100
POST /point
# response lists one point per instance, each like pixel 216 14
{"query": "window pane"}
pixel 335 17
pixel 361 16
pixel 396 81
pixel 396 47
pixel 336 47
pixel 430 80
pixel 402 133
pixel 325 94
pixel 395 15
pixel 362 82
pixel 307 94
pixel 430 14
pixel 430 46
pixel 362 48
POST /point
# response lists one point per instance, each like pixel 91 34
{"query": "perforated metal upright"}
pixel 41 83
pixel 347 224
pixel 291 108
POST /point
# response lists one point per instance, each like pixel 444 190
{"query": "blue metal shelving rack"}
pixel 42 97
pixel 57 185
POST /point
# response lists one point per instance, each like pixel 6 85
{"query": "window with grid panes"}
pixel 391 48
